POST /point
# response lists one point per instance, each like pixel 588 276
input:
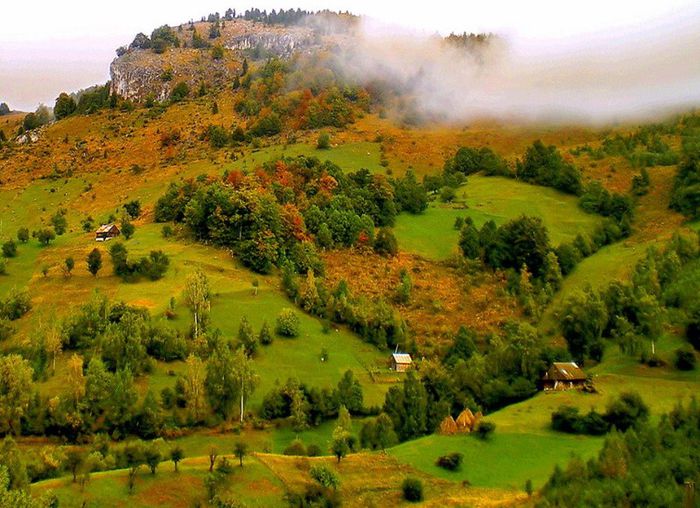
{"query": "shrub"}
pixel 287 323
pixel 685 358
pixel 485 429
pixel 180 92
pixel 265 337
pixel 448 194
pixel 324 141
pixel 23 235
pixel 167 231
pixel 218 136
pixel 451 461
pixel 9 249
pixel 45 236
pixel 296 447
pixel 626 411
pixel 325 476
pixel 386 244
pixel 314 450
pixel 412 489
pixel 6 329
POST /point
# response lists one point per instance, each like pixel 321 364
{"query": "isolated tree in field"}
pixel 45 236
pixel 240 450
pixel 176 455
pixel 287 323
pixel 23 235
pixel 213 454
pixel 73 461
pixel 59 222
pixel 135 457
pixel 152 456
pixel 69 265
pixel 265 336
pixel 94 261
pixel 197 297
pixel 16 387
pixel 339 443
pixel 133 208
pixel 9 249
pixel 127 228
pixel 324 141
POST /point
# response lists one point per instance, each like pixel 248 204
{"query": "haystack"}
pixel 465 421
pixel 477 418
pixel 448 426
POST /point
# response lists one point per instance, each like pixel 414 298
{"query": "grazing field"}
pixel 252 485
pixel 349 156
pixel 505 461
pixel 233 298
pixel 365 480
pixel 432 234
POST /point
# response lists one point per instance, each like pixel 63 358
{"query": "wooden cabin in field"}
pixel 401 362
pixel 106 232
pixel 563 376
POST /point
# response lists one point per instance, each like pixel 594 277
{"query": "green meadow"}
pixel 482 198
pixel 349 156
pixel 506 460
pixel 252 485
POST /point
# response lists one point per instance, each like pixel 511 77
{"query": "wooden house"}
pixel 563 376
pixel 401 362
pixel 106 232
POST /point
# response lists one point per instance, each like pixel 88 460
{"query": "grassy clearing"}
pixel 253 485
pixel 506 461
pixel 349 156
pixel 233 298
pixel 374 479
pixel 612 262
pixel 432 234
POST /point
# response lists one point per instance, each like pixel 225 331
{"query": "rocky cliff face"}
pixel 281 44
pixel 140 73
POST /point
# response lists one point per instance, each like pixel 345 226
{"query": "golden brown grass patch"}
pixel 374 479
pixel 442 298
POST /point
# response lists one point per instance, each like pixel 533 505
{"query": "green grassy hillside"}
pixel 432 234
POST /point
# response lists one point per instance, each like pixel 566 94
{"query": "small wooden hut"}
pixel 401 362
pixel 106 232
pixel 563 376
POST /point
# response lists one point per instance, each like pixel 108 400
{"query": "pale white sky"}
pixel 50 46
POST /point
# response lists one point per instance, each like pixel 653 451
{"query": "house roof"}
pixel 105 228
pixel 567 371
pixel 403 358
